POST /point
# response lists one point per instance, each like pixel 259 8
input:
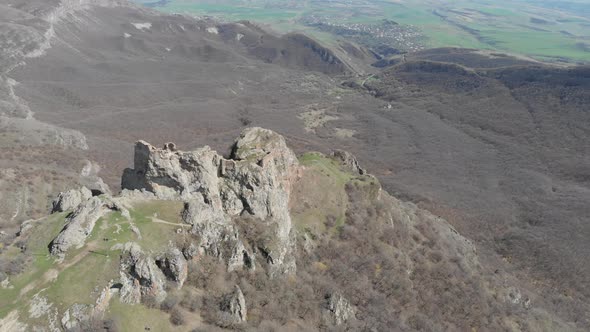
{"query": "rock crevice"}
pixel 255 180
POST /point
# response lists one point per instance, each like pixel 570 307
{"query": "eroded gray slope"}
pixel 27 32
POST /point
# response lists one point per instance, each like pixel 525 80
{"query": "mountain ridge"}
pixel 248 237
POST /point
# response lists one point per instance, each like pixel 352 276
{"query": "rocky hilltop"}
pixel 255 180
pixel 258 240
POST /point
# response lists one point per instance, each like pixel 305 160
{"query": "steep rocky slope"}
pixel 260 240
pixel 524 164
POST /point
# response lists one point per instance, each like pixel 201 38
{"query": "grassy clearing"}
pixel 156 236
pixel 325 210
pixel 83 281
pixel 326 166
pixel 138 317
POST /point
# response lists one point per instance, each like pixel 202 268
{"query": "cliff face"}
pixel 256 181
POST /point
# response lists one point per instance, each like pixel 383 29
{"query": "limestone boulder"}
pixel 233 306
pixel 174 266
pixel 339 309
pixel 71 199
pixel 78 226
pixel 81 222
pixel 141 278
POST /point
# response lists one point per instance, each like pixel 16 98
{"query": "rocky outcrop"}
pixel 140 277
pixel 80 223
pixel 78 227
pixel 75 316
pixel 71 199
pixel 233 306
pixel 339 309
pixel 255 180
pixel 169 173
pixel 89 178
pixel 174 266
pixel 218 235
pixel 349 161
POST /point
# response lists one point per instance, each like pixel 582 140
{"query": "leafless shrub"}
pixel 207 273
pixel 191 302
pixel 96 325
pixel 177 317
pixel 245 121
pixel 330 221
pixel 150 301
pixel 14 266
pixel 169 303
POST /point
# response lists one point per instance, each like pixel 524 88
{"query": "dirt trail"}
pixel 52 274
pixel 10 323
pixel 160 221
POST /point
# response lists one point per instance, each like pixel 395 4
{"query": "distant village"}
pixel 405 38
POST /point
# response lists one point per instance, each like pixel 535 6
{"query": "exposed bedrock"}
pixel 255 181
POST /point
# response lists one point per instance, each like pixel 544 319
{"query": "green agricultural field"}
pixel 540 29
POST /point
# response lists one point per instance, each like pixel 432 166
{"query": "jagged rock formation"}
pixel 140 276
pixel 339 308
pixel 234 306
pixel 75 315
pixel 81 222
pixel 254 181
pixel 79 226
pixel 218 236
pixel 349 161
pixel 71 199
pixel 174 266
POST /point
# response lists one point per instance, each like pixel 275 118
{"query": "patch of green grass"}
pixel 37 241
pixel 155 236
pixel 326 166
pixel 311 213
pixel 166 210
pixel 83 281
pixel 331 200
pixel 138 317
pixel 503 26
pixel 233 12
pixel 11 298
